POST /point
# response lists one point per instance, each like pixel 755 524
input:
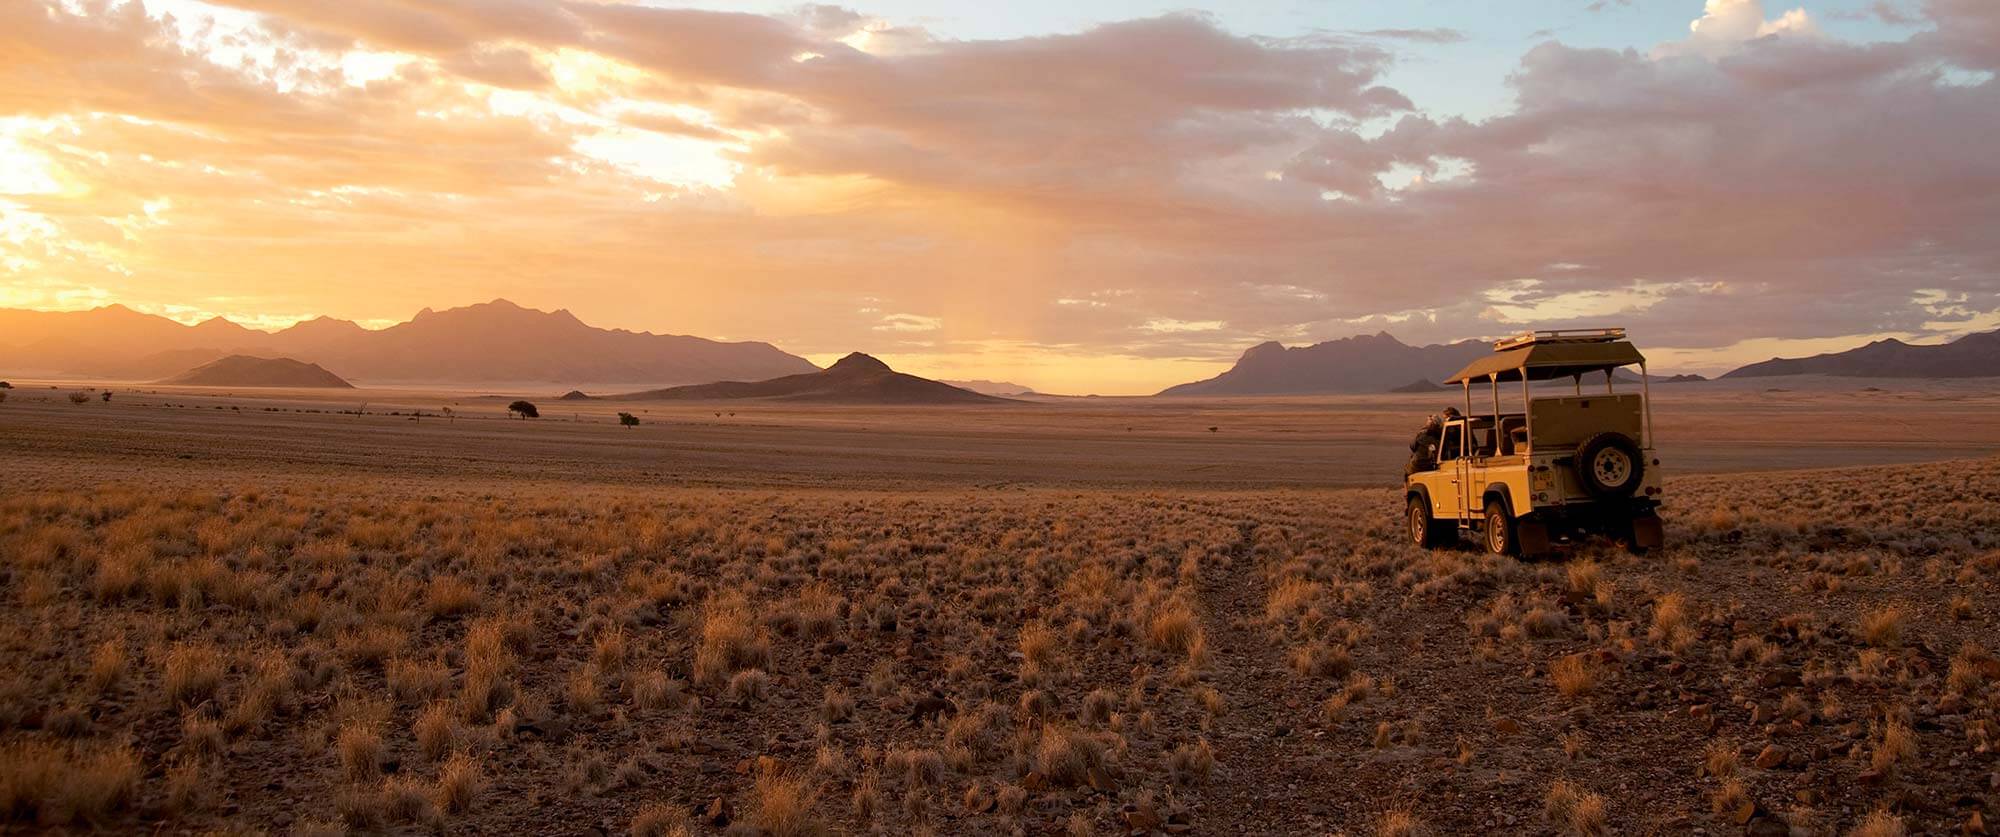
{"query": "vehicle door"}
pixel 1450 503
pixel 1480 447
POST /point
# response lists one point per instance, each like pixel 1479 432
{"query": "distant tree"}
pixel 628 419
pixel 107 396
pixel 5 385
pixel 448 414
pixel 79 397
pixel 526 409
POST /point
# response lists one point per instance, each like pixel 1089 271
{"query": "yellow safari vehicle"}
pixel 1570 463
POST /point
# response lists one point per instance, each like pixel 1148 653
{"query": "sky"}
pixel 1078 196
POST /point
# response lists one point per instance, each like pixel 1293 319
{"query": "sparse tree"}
pixel 628 419
pixel 5 385
pixel 525 409
pixel 448 414
pixel 107 396
pixel 79 397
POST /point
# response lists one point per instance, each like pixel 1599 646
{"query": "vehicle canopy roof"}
pixel 1546 355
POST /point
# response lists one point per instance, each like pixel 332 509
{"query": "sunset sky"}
pixel 1079 196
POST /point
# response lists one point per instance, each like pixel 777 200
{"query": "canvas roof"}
pixel 1544 361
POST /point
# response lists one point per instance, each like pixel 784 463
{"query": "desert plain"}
pixel 298 613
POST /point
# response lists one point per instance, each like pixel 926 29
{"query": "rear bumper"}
pixel 1595 515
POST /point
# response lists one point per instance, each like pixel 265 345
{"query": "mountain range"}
pixel 1363 364
pixel 1381 363
pixel 495 341
pixel 1971 356
pixel 854 379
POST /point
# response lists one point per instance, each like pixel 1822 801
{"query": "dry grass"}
pixel 359 748
pixel 460 783
pixel 785 805
pixel 1573 675
pixel 191 673
pixel 1883 628
pixel 434 658
pixel 54 784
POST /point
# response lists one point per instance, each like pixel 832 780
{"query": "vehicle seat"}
pixel 1513 435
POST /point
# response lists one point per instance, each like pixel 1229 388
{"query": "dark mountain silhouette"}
pixel 855 379
pixel 1682 379
pixel 247 371
pixel 1971 356
pixel 493 341
pixel 1000 388
pixel 1354 364
pixel 574 395
pixel 1420 385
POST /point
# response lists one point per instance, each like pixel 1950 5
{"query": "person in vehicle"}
pixel 1424 448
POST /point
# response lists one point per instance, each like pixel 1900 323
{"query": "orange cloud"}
pixel 1159 191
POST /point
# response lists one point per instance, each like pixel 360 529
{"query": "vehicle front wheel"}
pixel 1499 529
pixel 1424 532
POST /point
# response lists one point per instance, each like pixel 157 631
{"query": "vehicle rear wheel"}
pixel 1610 465
pixel 1499 528
pixel 1424 532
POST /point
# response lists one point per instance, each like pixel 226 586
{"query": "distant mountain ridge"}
pixel 489 342
pixel 854 379
pixel 1971 356
pixel 1361 364
pixel 1001 388
pixel 247 371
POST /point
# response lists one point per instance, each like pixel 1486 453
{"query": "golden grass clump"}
pixel 192 673
pixel 359 748
pixel 1576 811
pixel 1066 756
pixel 1398 822
pixel 460 783
pixel 436 728
pixel 1176 629
pixel 54 784
pixel 1719 759
pixel 1321 660
pixel 449 595
pixel 730 642
pixel 1879 823
pixel 784 804
pixel 1191 764
pixel 1573 675
pixel 1883 628
pixel 107 665
pixel 1897 745
pixel 660 819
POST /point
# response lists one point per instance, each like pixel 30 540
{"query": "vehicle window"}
pixel 1448 447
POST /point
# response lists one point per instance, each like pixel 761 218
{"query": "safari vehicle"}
pixel 1567 465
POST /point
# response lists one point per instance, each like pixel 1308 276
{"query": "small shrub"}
pixel 193 673
pixel 1883 628
pixel 1573 675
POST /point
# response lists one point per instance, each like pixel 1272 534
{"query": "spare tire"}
pixel 1610 465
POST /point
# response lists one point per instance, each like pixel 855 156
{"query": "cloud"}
pixel 1159 189
pixel 1434 35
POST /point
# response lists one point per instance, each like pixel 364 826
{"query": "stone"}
pixel 1771 756
pixel 719 813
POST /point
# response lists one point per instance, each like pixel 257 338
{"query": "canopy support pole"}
pixel 1527 412
pixel 1646 390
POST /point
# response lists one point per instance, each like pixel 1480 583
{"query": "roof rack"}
pixel 1560 335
